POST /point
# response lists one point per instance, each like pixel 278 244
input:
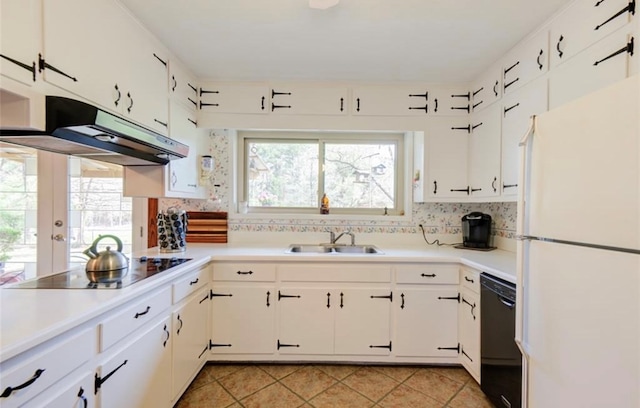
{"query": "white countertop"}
pixel 31 316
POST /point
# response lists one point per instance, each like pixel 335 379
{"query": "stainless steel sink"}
pixel 333 249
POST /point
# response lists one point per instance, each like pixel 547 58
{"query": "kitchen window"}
pixel 288 172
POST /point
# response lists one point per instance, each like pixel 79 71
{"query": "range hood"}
pixel 79 129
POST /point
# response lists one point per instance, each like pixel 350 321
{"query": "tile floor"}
pixel 332 386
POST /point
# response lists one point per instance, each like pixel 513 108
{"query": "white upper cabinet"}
pixel 450 100
pixel 308 100
pixel 19 40
pixel 486 89
pixel 484 153
pixel 183 87
pixel 216 97
pixel 377 100
pixel 517 109
pixel 526 62
pixel 584 23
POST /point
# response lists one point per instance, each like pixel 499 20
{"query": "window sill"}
pixel 319 217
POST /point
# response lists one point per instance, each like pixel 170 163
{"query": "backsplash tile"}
pixel 437 218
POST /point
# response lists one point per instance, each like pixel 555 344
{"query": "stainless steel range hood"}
pixel 79 129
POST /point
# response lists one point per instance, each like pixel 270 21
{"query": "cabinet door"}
pixel 426 322
pixel 88 58
pixel 139 374
pixel 74 391
pixel 19 33
pixel 190 339
pixel 184 174
pixel 183 87
pixel 487 89
pixel 517 109
pixel 484 152
pixel 447 144
pixel 469 332
pixel 234 98
pixel 589 70
pixel 362 321
pixel 309 100
pixel 243 319
pixel 584 23
pixel 306 323
pixel 450 101
pixel 526 62
pixel 391 101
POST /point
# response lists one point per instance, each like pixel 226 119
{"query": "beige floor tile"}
pixel 338 371
pixel 246 381
pixel 470 397
pixel 340 396
pixel 434 385
pixel 308 382
pixel 407 397
pixel 399 373
pixel 371 383
pixel 275 395
pixel 217 371
pixel 279 371
pixel 455 373
pixel 210 395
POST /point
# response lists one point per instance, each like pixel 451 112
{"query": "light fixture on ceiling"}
pixel 322 4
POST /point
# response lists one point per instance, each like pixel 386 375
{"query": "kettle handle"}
pixel 94 247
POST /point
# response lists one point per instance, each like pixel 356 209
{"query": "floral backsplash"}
pixel 436 218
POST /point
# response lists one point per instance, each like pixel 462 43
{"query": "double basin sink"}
pixel 332 249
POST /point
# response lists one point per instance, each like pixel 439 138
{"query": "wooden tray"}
pixel 207 227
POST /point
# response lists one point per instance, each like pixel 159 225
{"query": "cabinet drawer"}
pixel 470 279
pixel 46 367
pixel 249 272
pixel 334 273
pixel 190 283
pixel 76 390
pixel 428 274
pixel 133 316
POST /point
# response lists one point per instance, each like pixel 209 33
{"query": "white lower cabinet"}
pixel 75 391
pixel 469 331
pixel 190 339
pixel 242 318
pixel 138 374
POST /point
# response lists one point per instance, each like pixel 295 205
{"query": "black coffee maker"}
pixel 476 230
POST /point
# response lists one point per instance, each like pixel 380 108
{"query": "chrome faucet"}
pixel 335 238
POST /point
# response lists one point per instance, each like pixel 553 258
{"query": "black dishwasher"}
pixel 500 358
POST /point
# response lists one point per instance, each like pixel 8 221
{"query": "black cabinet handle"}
pixel 117 101
pixel 341 104
pixel 42 65
pixel 389 296
pixel 193 282
pixel 467 128
pixel 424 95
pixel 7 391
pixel 98 381
pixel 138 314
pixel 627 48
pixel 506 71
pixel 245 272
pixel 341 300
pixel 268 294
pixel 328 300
pixel 162 123
pixel 462 190
pixel 468 280
pixel 175 83
pixel 435 109
pixel 560 53
pixel 425 108
pixel 30 68
pixel 195 90
pixel 464 108
pixel 435 187
pixel 286 345
pixel 430 275
pixel 495 88
pixel 160 59
pixel 509 108
pixel 131 105
pixel 164 344
pixel 357 104
pixel 181 324
pixel 384 346
pixel 262 104
pixel 193 121
pixel 467 96
pixel 82 397
pixel 630 8
pixel 538 60
pixel 402 304
pixel 473 307
pixel 281 296
pixel 493 184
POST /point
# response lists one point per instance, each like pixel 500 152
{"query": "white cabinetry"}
pixel 216 97
pixel 19 40
pixel 243 302
pixel 75 391
pixel 425 310
pixel 183 87
pixel 484 152
pixel 526 62
pixel 309 100
pixel 486 89
pixel 450 100
pixel 378 100
pixel 517 109
pixel 138 374
pixel 469 321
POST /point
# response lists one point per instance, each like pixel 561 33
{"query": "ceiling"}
pixel 355 41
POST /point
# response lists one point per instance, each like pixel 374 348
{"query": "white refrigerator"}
pixel 578 284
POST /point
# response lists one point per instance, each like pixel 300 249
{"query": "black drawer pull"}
pixel 268 295
pixel 538 60
pixel 181 324
pixel 119 95
pixel 435 187
pixel 175 83
pixel 7 391
pixel 357 104
pixel 436 107
pixel 245 272
pixel 328 300
pixel 468 279
pixel 193 282
pixel 142 313
pixel 341 104
pixel 164 344
pixel 560 53
pixel 493 184
pixel 402 304
pixel 82 397
pixel 130 105
pixel 495 88
pixel 430 275
pixel 30 68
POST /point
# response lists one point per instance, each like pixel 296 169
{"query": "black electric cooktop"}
pixel 138 270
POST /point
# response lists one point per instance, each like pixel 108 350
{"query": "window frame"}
pixel 401 139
